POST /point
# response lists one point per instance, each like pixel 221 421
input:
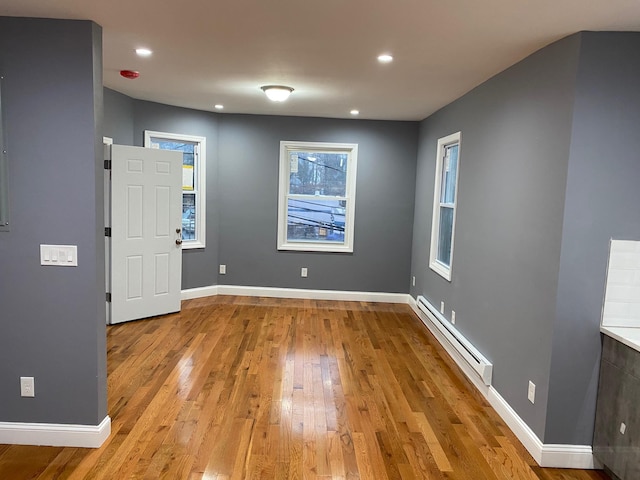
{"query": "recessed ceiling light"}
pixel 277 93
pixel 385 58
pixel 219 106
pixel 355 112
pixel 143 52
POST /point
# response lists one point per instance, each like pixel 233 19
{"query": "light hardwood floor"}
pixel 256 388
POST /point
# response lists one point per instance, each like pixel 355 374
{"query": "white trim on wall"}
pixel 55 434
pixel 546 455
pixel 379 297
pixel 199 292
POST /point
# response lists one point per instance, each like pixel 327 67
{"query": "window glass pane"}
pixel 444 240
pixel 316 219
pixel 187 149
pixel 449 173
pixel 315 173
pixel 188 216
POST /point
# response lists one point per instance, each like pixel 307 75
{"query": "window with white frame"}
pixel 444 205
pixel 317 196
pixel 193 150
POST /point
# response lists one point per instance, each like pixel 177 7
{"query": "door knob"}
pixel 178 242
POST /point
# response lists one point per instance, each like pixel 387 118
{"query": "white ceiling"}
pixel 222 51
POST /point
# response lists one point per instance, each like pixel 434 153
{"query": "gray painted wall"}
pixel 242 197
pixel 199 266
pixel 248 150
pixel 118 117
pixel 603 201
pixel 516 130
pixel 53 318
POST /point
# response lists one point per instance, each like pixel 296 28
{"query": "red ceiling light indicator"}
pixel 130 74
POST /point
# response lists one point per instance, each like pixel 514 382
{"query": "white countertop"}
pixel 630 336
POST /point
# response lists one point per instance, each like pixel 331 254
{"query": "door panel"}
pixel 134 277
pixel 163 272
pixel 134 211
pixel 146 256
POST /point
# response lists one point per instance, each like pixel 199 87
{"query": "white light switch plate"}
pixel 59 255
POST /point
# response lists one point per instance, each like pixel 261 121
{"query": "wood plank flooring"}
pixel 256 388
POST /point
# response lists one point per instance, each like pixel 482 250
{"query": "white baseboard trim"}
pixel 569 456
pixel 55 434
pixel 199 292
pixel 546 455
pixel 272 292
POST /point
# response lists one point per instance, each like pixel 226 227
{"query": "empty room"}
pixel 281 240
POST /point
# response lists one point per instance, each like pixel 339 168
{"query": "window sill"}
pixel 316 247
pixel 192 245
pixel 441 270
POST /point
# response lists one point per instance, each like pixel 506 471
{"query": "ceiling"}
pixel 209 52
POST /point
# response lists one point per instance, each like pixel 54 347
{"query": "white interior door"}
pixel 146 252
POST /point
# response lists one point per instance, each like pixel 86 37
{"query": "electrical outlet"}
pixel 453 317
pixel 531 393
pixel 441 307
pixel 223 269
pixel 413 281
pixel 27 387
pixel 303 272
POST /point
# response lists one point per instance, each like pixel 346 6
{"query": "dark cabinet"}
pixel 616 441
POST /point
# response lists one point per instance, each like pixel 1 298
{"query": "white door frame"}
pixel 107 142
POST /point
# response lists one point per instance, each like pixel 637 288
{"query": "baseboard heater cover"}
pixel 482 366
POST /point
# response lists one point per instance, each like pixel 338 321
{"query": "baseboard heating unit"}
pixel 473 357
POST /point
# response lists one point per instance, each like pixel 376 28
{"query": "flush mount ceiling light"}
pixel 385 58
pixel 277 93
pixel 355 112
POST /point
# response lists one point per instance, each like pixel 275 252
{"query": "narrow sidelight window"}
pixel 444 205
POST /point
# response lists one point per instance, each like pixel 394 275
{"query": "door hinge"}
pixel 107 164
pixel 107 231
pixel 108 297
